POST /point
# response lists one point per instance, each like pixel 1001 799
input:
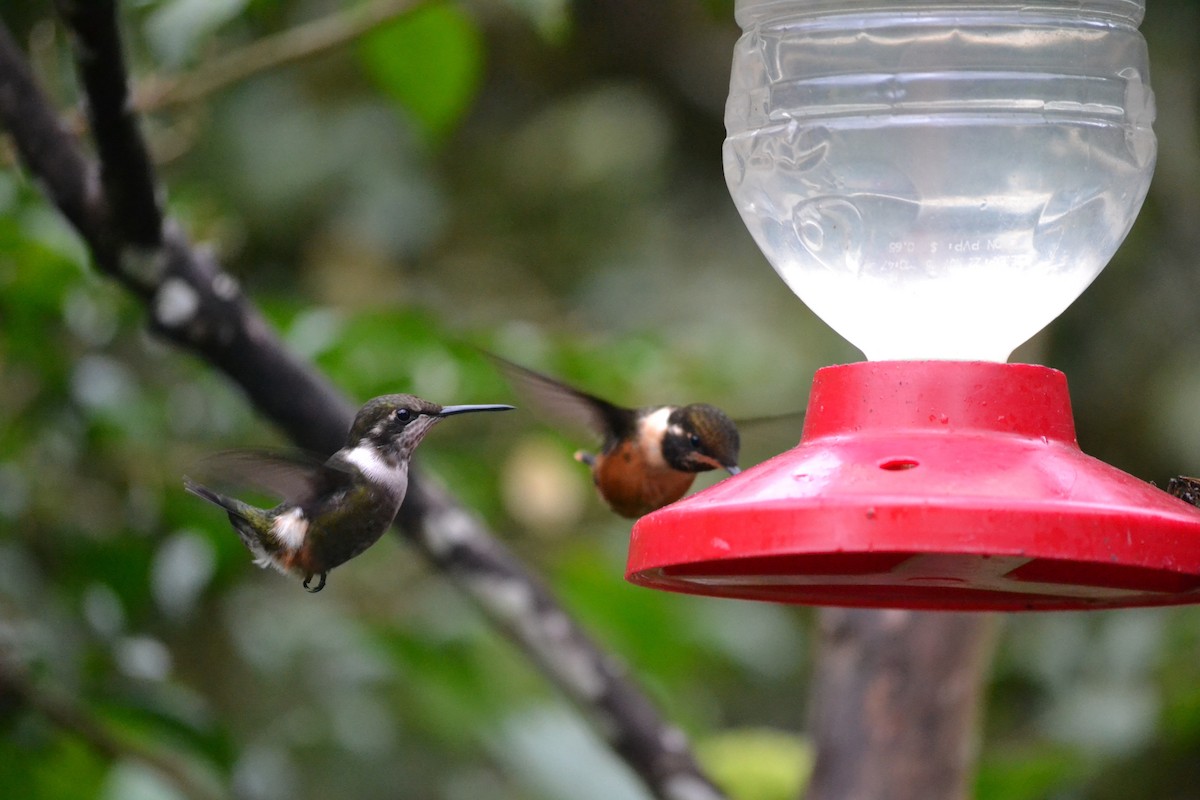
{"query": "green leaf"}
pixel 430 62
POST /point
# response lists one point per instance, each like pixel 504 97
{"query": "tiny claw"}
pixel 584 457
pixel 320 585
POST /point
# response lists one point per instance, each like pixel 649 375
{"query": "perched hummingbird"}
pixel 649 456
pixel 331 511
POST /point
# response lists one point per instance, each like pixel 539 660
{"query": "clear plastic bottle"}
pixel 939 180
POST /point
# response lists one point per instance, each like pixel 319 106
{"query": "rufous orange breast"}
pixel 632 485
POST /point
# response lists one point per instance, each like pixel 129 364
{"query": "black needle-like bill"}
pixel 448 411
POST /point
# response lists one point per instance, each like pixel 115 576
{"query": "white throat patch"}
pixel 651 430
pixel 376 469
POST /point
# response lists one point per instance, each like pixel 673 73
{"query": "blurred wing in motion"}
pixel 565 405
pixel 294 478
pixel 767 436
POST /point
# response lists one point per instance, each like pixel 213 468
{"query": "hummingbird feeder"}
pixel 937 181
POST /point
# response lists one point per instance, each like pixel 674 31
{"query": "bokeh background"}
pixel 541 178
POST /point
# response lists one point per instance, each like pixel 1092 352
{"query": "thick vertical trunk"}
pixel 896 704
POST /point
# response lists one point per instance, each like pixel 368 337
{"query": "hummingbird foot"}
pixel 584 457
pixel 319 586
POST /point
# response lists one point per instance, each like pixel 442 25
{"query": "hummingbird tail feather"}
pixel 203 492
pixel 236 509
pixel 246 520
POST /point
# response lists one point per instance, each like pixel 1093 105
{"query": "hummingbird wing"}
pixel 295 478
pixel 566 405
pixel 765 436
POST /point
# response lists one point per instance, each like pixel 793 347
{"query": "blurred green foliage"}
pixel 545 183
pixel 758 765
pixel 429 62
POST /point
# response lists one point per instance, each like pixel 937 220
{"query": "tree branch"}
pixel 288 47
pixel 520 606
pixel 50 152
pixel 126 172
pixel 193 303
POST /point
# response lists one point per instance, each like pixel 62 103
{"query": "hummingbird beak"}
pixel 448 411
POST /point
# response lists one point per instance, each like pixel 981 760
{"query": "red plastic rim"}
pixel 929 485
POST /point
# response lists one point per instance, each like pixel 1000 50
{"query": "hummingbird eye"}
pixel 695 440
pixel 402 414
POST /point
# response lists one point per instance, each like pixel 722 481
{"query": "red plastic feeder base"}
pixel 929 485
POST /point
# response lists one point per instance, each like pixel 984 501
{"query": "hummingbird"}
pixel 649 456
pixel 334 510
pixel 1186 489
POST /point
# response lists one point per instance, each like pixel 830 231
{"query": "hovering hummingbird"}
pixel 331 511
pixel 649 456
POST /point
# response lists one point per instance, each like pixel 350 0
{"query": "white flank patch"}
pixel 650 434
pixel 289 529
pixel 376 469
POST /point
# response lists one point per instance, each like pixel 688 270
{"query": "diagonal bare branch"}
pixel 126 172
pixel 50 152
pixel 521 607
pixel 196 305
pixel 272 52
